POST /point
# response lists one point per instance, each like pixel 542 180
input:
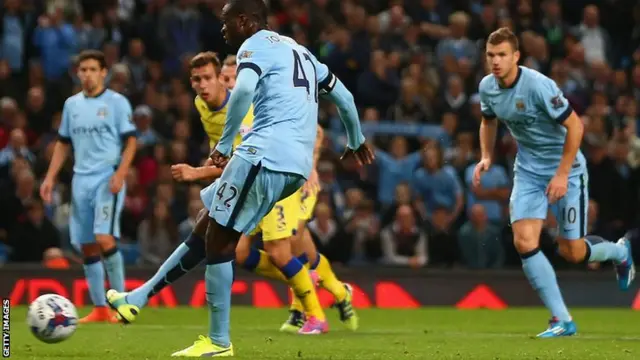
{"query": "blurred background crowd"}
pixel 413 67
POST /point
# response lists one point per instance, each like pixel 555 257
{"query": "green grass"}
pixel 427 334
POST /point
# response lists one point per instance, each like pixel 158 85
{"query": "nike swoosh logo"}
pixel 219 209
pixel 215 352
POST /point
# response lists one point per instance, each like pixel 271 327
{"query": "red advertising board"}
pixel 382 288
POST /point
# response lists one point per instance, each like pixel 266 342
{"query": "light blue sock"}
pixel 114 266
pixel 600 250
pixel 183 259
pixel 94 273
pixel 542 278
pixel 218 280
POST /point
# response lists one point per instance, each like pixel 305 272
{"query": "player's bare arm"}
pixel 185 172
pixel 488 130
pixel 558 185
pixel 60 153
pixel 334 90
pixel 129 152
pixel 313 183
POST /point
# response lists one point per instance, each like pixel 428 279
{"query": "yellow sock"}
pixel 328 279
pixel 302 286
pixel 266 268
pixel 296 304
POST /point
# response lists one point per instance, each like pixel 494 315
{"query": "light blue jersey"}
pixel 285 103
pixel 283 80
pixel 533 109
pixel 97 128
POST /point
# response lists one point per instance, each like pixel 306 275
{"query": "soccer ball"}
pixel 52 318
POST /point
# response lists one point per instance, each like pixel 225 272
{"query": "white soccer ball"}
pixel 52 318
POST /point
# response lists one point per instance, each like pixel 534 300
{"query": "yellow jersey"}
pixel 213 120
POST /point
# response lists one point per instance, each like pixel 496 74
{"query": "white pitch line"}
pixel 593 336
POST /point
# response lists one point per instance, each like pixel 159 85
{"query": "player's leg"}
pixel 82 237
pixel 183 259
pixel 342 292
pixel 241 200
pixel 106 227
pixel 278 233
pixel 574 246
pixel 305 250
pixel 297 318
pixel 255 260
pixel 278 228
pixel 528 209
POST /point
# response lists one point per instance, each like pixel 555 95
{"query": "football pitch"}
pixel 433 333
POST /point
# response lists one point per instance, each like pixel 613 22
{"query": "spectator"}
pixel 14 210
pixel 593 38
pixel 378 87
pixel 186 227
pixel 17 147
pixel 443 246
pixel 395 167
pixel 179 28
pixel 457 45
pixel 56 41
pixel 363 229
pixel 157 235
pixel 410 107
pixel 437 185
pixel 16 26
pixel 33 235
pixel 404 196
pixel 147 136
pixel 493 192
pixel 327 234
pixel 479 241
pixel 404 243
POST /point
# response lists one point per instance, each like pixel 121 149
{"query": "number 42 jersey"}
pixel 285 102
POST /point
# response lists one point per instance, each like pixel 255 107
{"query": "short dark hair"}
pixel 93 55
pixel 504 34
pixel 230 60
pixel 257 9
pixel 204 59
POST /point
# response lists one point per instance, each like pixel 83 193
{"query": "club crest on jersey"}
pixel 102 112
pixel 520 105
pixel 557 102
pixel 245 55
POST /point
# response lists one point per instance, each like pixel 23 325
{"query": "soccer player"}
pixel 302 245
pixel 211 103
pixel 274 159
pixel 97 123
pixel 278 225
pixel 305 249
pixel 228 72
pixel 550 171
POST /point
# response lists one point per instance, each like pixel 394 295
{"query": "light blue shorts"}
pixel 94 209
pixel 529 201
pixel 245 193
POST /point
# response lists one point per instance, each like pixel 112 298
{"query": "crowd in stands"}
pixel 413 67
